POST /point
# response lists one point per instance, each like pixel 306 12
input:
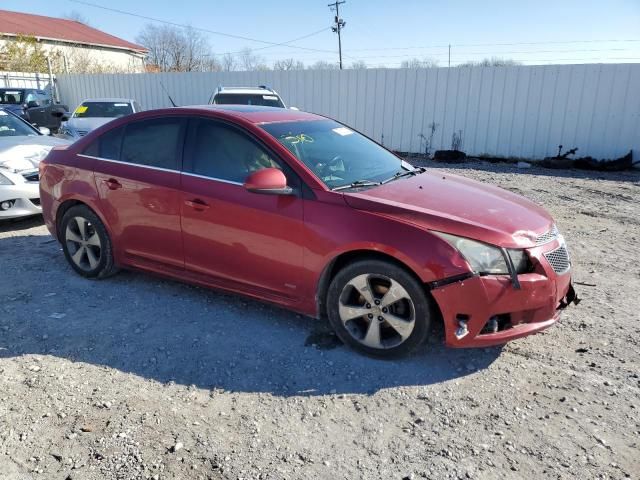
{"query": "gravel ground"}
pixel 138 377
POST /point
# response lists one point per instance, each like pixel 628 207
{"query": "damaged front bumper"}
pixel 482 311
pixel 19 200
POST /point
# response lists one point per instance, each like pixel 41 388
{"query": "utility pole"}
pixel 339 25
pixel 449 55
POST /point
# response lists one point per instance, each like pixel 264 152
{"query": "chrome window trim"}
pixel 120 162
pixel 221 180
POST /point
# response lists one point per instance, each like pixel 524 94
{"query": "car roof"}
pixel 255 113
pixel 109 100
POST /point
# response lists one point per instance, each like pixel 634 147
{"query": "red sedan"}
pixel 301 211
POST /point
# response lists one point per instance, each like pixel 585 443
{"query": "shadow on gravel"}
pixel 21 223
pixel 166 331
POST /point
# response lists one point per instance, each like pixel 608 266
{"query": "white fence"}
pixel 521 111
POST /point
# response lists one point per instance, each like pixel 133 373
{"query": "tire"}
pixel 86 243
pixel 388 327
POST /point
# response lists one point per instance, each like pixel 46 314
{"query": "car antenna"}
pixel 165 91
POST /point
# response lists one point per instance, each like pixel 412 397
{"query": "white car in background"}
pixel 21 148
pixel 261 95
pixel 95 112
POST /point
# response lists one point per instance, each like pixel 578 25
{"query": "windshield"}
pixel 248 99
pixel 338 155
pixel 103 110
pixel 11 126
pixel 12 97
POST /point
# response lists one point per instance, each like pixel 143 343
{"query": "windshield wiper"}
pixel 356 184
pixel 406 173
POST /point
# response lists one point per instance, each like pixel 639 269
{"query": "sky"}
pixel 384 33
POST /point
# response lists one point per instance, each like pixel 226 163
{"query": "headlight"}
pixel 4 180
pixel 484 258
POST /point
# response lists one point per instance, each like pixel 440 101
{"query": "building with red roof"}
pixel 81 48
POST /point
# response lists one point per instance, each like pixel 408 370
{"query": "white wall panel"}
pixel 521 111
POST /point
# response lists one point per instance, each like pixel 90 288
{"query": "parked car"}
pixel 21 148
pixel 302 211
pixel 261 95
pixel 33 105
pixel 92 113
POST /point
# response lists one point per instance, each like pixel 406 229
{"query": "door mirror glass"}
pixel 268 180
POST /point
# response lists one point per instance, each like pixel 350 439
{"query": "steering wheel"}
pixel 325 169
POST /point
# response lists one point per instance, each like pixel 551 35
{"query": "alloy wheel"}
pixel 83 243
pixel 377 311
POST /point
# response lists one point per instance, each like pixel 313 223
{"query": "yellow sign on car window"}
pixel 81 109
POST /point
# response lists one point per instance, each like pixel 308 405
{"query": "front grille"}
pixel 547 237
pixel 559 259
pixel 82 133
pixel 31 176
pixel 35 201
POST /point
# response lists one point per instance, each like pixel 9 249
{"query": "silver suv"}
pixel 261 95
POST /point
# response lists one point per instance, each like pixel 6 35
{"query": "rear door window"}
pixel 155 143
pixel 107 145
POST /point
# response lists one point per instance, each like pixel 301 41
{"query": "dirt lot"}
pixel 137 377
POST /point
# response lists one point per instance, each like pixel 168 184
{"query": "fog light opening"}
pixel 496 324
pixel 462 330
pixel 6 205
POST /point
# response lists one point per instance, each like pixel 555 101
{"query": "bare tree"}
pixel 211 64
pixel 228 62
pixel 323 65
pixel 174 49
pixel 491 62
pixel 288 64
pixel 250 61
pixel 419 63
pixel 358 65
pixel 76 17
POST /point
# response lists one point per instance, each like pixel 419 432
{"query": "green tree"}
pixel 23 54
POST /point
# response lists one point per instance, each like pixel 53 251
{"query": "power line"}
pixel 286 44
pixel 494 44
pixel 462 62
pixel 213 32
pixel 495 53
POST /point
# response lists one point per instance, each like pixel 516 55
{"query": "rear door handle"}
pixel 197 204
pixel 113 184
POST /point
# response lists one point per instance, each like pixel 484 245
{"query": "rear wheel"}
pixel 378 308
pixel 86 243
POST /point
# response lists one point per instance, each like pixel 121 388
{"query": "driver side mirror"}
pixel 268 180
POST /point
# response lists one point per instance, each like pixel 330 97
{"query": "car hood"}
pixel 459 206
pixel 22 153
pixel 88 123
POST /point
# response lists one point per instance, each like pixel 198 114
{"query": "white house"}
pixel 73 43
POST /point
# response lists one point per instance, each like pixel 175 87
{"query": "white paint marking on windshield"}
pixel 344 131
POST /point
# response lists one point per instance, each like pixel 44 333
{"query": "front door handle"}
pixel 113 184
pixel 197 204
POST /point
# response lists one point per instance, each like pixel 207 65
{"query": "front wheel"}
pixel 86 243
pixel 378 308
